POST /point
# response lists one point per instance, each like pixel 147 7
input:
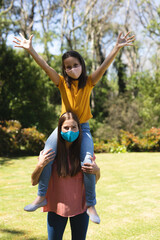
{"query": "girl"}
pixel 65 194
pixel 75 88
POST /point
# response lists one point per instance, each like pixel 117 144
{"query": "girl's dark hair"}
pixel 63 168
pixel 83 77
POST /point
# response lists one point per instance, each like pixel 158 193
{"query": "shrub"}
pixel 31 140
pixel 110 147
pixel 16 140
pixel 9 131
pixel 151 140
pixel 130 141
pixel 101 147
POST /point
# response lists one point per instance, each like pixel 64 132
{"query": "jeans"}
pixel 87 149
pixel 56 226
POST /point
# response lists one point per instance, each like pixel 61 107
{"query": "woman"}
pixel 66 195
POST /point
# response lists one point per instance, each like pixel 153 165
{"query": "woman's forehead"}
pixel 69 122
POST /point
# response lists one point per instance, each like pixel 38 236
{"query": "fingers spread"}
pixel 131 37
pixel 120 34
pixel 17 39
pixel 22 36
pixel 127 34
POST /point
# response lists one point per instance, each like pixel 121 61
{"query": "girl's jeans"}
pixel 87 149
pixel 56 226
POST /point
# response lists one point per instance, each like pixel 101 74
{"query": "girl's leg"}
pixel 40 201
pixel 55 226
pixel 79 226
pixel 46 173
pixel 87 149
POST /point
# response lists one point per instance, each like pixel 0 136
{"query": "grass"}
pixel 128 199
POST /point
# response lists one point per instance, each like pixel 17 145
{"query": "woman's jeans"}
pixel 56 226
pixel 87 149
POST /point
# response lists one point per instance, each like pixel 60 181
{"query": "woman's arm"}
pixel 121 42
pixel 27 45
pixel 43 160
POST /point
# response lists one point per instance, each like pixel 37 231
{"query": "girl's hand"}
pixel 45 158
pixel 23 43
pixel 91 168
pixel 125 41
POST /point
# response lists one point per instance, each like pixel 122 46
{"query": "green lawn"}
pixel 128 199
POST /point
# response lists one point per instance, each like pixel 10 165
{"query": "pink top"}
pixel 65 195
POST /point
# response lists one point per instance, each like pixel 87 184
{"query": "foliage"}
pixel 9 132
pixel 110 147
pixel 32 140
pixel 149 141
pixel 152 139
pixel 149 97
pixel 130 141
pixel 25 91
pixel 17 140
pixel 121 112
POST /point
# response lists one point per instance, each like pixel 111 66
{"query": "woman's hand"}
pixel 45 158
pixel 23 43
pixel 91 168
pixel 125 41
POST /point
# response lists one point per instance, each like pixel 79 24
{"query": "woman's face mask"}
pixel 70 136
pixel 70 130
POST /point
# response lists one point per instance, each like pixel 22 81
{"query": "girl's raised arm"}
pixel 121 42
pixel 27 45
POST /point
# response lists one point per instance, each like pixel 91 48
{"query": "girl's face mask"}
pixel 70 136
pixel 74 72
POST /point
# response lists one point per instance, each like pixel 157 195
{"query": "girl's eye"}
pixel 68 68
pixel 66 128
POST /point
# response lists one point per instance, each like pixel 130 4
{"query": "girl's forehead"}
pixel 71 60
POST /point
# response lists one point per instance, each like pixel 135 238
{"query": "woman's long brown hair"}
pixel 74 150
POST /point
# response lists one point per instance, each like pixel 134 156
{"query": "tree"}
pixel 5 23
pixel 24 91
pixel 148 13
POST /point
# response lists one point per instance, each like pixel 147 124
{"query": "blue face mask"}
pixel 70 136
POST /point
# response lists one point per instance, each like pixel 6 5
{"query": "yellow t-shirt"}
pixel 77 101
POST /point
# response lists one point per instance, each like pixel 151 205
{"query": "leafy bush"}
pixel 110 147
pixel 101 147
pixel 16 140
pixel 9 131
pixel 130 141
pixel 32 140
pixel 151 140
pixel 148 142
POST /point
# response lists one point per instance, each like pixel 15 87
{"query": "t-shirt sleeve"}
pixel 89 82
pixel 60 82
